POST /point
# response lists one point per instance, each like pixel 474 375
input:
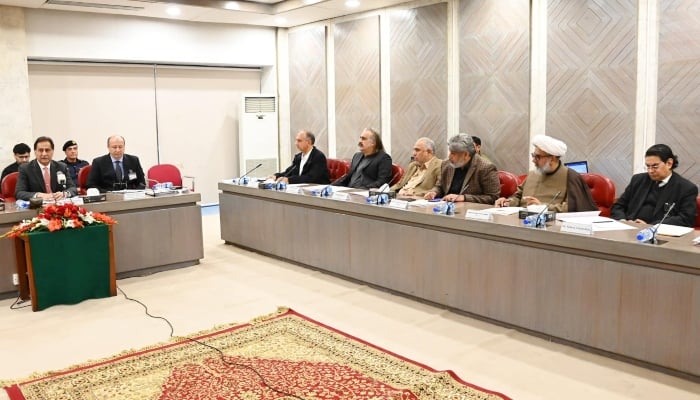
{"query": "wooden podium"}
pixel 66 267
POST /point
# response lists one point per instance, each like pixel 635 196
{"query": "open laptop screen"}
pixel 579 166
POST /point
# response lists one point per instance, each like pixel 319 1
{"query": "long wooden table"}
pixel 605 292
pixel 151 234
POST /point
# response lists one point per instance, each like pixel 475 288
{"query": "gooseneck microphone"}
pixel 539 220
pixel 249 171
pixel 61 178
pixel 649 234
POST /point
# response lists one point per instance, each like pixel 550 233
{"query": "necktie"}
pixel 118 170
pixel 47 180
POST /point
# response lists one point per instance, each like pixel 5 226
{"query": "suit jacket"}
pixel 375 174
pixel 482 179
pixel 576 198
pixel 103 177
pixel 31 180
pixel 678 190
pixel 429 178
pixel 315 169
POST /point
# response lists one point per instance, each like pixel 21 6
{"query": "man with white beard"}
pixel 550 177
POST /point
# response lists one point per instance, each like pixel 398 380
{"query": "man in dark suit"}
pixel 465 176
pixel 649 195
pixel 308 166
pixel 21 152
pixel 371 166
pixel 42 177
pixel 116 170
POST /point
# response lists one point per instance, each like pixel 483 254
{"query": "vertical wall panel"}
pixel 356 45
pixel 678 118
pixel 308 85
pixel 418 79
pixel 495 78
pixel 591 82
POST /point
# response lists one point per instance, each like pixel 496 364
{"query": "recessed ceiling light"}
pixel 232 5
pixel 173 11
pixel 352 3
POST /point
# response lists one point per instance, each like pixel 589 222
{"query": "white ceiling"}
pixel 282 13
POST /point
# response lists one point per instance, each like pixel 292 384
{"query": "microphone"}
pixel 241 180
pixel 383 188
pixel 649 234
pixel 539 221
pixel 61 178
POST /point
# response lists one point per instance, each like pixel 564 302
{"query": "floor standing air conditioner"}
pixel 258 136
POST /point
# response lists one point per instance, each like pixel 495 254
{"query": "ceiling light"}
pixel 232 5
pixel 352 3
pixel 173 11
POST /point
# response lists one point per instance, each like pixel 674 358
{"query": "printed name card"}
pixel 293 189
pixel 342 196
pixel 400 204
pixel 577 228
pixel 480 215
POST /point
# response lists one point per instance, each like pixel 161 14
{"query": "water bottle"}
pixel 645 235
pixel 325 192
pixel 379 199
pixel 534 221
pixel 22 204
pixel 281 186
pixel 447 208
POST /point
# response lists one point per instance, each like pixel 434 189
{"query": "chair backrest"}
pixel 509 183
pixel 697 217
pixel 337 168
pixel 396 174
pixel 8 186
pixel 603 191
pixel 521 179
pixel 164 173
pixel 83 178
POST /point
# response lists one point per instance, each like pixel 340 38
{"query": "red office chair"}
pixel 396 174
pixel 521 179
pixel 603 191
pixel 337 168
pixel 83 174
pixel 8 186
pixel 509 183
pixel 167 173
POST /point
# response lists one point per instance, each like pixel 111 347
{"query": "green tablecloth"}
pixel 70 266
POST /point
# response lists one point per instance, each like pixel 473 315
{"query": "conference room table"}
pixel 604 292
pixel 152 234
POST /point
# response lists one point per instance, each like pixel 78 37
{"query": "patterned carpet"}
pixel 280 356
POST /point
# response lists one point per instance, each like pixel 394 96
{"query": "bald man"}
pixel 116 170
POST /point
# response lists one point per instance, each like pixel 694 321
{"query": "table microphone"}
pixel 249 171
pixel 61 178
pixel 649 234
pixel 539 221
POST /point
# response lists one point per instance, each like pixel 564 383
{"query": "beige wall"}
pixel 15 111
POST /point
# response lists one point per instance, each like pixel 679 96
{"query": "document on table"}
pixel 503 210
pixel 673 230
pixel 598 223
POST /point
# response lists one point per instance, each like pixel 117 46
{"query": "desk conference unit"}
pixel 605 291
pixel 151 234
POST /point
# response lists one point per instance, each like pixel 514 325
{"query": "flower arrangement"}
pixel 57 217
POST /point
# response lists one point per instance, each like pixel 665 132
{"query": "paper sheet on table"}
pixel 502 210
pixel 363 193
pixel 316 188
pixel 581 214
pixel 585 219
pixel 673 230
pixel 423 203
pixel 611 225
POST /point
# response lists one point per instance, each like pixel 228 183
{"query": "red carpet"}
pixel 282 356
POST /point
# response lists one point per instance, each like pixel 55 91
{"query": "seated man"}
pixel 42 177
pixel 21 152
pixel 465 176
pixel 422 172
pixel 549 178
pixel 371 166
pixel 72 161
pixel 649 195
pixel 116 170
pixel 477 145
pixel 308 166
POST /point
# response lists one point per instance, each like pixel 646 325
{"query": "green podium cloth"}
pixel 70 265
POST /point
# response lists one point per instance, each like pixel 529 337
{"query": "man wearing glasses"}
pixel 650 195
pixel 551 181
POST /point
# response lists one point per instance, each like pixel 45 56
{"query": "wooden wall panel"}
pixel 308 85
pixel 591 83
pixel 495 78
pixel 678 118
pixel 418 79
pixel 356 45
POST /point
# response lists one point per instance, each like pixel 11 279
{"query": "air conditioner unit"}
pixel 258 135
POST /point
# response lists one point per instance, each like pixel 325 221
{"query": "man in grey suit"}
pixel 43 177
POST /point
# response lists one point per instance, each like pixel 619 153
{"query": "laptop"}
pixel 579 166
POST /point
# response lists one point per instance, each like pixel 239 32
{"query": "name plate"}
pixel 480 215
pixel 400 204
pixel 293 190
pixel 342 196
pixel 577 228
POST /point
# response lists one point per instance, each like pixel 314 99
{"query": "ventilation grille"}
pixel 256 105
pixel 92 5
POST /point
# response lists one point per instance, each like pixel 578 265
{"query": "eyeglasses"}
pixel 538 157
pixel 652 167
